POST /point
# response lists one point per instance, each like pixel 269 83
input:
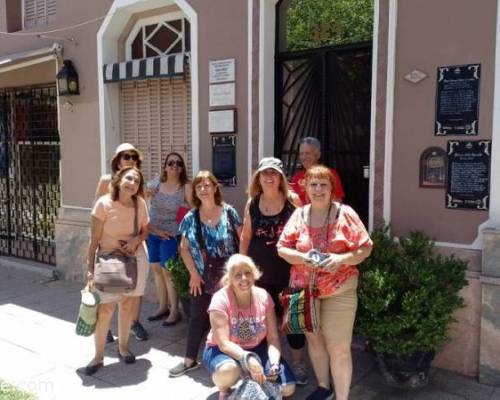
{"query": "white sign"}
pixel 221 121
pixel 222 71
pixel 222 95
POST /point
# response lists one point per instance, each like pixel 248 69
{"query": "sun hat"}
pixel 125 147
pixel 270 163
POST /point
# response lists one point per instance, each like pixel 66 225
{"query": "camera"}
pixel 316 257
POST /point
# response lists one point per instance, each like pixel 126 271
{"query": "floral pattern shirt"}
pixel 346 233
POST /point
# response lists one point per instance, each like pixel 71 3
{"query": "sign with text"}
pixel 223 121
pixel 224 159
pixel 222 71
pixel 222 95
pixel 468 184
pixel 457 100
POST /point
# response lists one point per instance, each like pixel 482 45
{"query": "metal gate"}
pixel 326 93
pixel 29 173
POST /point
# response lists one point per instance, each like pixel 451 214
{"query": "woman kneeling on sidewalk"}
pixel 242 320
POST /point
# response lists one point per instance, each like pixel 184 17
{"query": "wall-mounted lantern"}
pixel 67 80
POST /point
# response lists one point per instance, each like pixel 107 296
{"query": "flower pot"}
pixel 411 372
pixel 186 306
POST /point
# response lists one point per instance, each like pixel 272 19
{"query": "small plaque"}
pixel 222 95
pixel 224 159
pixel 468 184
pixel 415 76
pixel 457 100
pixel 222 71
pixel 223 121
pixel 433 163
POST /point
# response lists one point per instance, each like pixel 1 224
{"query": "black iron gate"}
pixel 326 93
pixel 29 173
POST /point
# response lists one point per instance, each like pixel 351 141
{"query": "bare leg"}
pixel 172 296
pixel 320 359
pixel 341 367
pixel 161 289
pixel 104 316
pixel 126 309
pixel 226 376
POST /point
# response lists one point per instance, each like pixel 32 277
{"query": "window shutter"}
pixel 156 118
pixel 39 12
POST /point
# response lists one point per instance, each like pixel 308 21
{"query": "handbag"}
pixel 300 311
pixel 181 212
pixel 214 267
pixel 252 390
pixel 116 272
pixel 87 314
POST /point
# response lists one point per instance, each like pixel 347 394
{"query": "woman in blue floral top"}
pixel 210 235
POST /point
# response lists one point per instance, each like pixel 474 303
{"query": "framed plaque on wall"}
pixel 457 100
pixel 433 162
pixel 468 183
pixel 224 159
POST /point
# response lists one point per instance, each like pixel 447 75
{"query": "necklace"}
pixel 210 216
pixel 271 207
pixel 324 229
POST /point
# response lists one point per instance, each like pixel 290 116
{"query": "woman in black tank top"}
pixel 268 209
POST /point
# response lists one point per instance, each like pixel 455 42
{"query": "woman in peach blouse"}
pixel 335 230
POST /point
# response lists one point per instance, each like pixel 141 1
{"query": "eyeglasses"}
pixel 131 178
pixel 171 163
pixel 204 186
pixel 318 185
pixel 128 156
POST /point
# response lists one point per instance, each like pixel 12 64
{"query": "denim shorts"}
pixel 161 250
pixel 213 358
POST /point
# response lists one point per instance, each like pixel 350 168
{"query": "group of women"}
pixel 237 270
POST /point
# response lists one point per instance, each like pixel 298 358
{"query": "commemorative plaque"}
pixel 457 100
pixel 224 159
pixel 433 168
pixel 468 184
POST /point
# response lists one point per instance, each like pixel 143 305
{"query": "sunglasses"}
pixel 171 163
pixel 127 157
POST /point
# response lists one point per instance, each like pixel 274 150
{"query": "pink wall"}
pixel 432 34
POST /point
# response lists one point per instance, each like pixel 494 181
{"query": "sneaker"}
pixel 182 368
pixel 321 393
pixel 300 372
pixel 109 337
pixel 139 331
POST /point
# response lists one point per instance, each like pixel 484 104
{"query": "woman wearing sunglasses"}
pixel 171 194
pixel 126 155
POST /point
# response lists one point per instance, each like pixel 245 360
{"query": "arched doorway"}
pixel 325 92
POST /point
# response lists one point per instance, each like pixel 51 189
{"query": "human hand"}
pixel 195 282
pixel 165 235
pixel 256 371
pixel 331 262
pixel 130 246
pixel 273 372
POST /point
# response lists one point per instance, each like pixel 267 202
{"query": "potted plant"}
pixel 180 279
pixel 407 296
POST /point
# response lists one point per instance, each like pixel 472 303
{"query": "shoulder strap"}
pixel 232 223
pixel 199 232
pixel 136 221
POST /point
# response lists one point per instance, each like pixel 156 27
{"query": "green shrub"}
pixel 407 294
pixel 180 276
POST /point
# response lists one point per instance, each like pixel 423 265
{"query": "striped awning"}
pixel 152 67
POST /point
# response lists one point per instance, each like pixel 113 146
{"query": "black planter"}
pixel 186 306
pixel 410 372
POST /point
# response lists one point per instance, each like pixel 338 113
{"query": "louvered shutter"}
pixel 156 117
pixel 39 12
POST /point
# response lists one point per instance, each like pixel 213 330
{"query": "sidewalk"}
pixel 40 353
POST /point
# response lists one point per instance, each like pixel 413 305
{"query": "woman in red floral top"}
pixel 335 230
